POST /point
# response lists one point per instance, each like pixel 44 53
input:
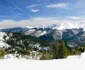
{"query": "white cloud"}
pixel 35 10
pixel 58 5
pixel 36 22
pixel 31 22
pixel 75 17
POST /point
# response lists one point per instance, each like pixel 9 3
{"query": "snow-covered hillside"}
pixel 2 41
pixel 70 63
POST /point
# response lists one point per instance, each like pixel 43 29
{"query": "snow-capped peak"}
pixel 65 25
pixel 29 27
pixel 61 26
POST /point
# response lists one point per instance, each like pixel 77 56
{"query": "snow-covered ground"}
pixel 70 63
pixel 2 41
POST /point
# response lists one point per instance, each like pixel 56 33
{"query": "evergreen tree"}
pixel 63 50
pixel 2 53
pixel 56 50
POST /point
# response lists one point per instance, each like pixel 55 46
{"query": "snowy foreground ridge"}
pixel 71 63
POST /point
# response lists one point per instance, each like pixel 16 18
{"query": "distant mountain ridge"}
pixel 52 33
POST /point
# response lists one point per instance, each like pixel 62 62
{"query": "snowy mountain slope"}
pixel 2 41
pixel 23 46
pixel 75 35
pixel 29 47
pixel 70 63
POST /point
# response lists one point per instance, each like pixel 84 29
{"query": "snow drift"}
pixel 70 63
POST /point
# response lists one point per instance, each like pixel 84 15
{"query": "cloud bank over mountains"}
pixel 43 21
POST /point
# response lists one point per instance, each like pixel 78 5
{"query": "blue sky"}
pixel 18 10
